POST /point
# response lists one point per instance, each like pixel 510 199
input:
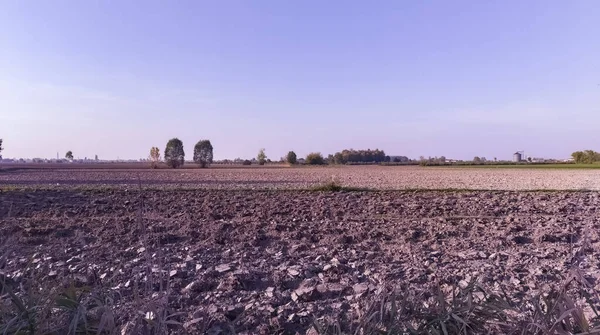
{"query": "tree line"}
pixel 359 156
pixel 586 157
pixel 174 155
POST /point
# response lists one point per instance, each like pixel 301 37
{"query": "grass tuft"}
pixel 336 186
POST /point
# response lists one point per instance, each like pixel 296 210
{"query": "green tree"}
pixel 261 157
pixel 477 160
pixel 338 158
pixel 174 154
pixel 591 156
pixel 315 158
pixel 359 156
pixel 203 153
pixel 1 148
pixel 69 155
pixel 578 157
pixel 154 157
pixel 586 157
pixel 292 158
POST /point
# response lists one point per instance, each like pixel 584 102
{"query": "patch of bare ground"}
pixel 364 177
pixel 198 261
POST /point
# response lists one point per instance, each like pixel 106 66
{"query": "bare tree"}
pixel 154 157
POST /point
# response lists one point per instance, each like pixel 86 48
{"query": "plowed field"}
pixel 274 261
pixel 371 177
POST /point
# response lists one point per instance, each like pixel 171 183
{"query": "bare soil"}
pixel 366 177
pixel 273 261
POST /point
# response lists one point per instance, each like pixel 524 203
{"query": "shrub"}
pixel 336 186
pixel 315 158
pixel 203 153
pixel 247 162
pixel 174 154
pixel 332 186
pixel 292 158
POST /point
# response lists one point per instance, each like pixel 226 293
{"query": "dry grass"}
pixel 469 309
pixel 464 308
pixel 30 307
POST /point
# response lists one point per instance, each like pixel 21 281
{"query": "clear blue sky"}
pixel 453 78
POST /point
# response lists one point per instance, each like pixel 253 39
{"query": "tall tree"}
pixel 174 154
pixel 154 157
pixel 591 156
pixel 69 155
pixel 291 158
pixel 203 153
pixel 578 156
pixel 1 148
pixel 261 157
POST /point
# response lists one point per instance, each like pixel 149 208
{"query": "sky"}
pixel 414 78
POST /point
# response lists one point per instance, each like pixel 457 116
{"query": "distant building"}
pixel 517 157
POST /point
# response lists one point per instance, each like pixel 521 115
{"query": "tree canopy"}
pixel 586 157
pixel 315 158
pixel 359 156
pixel 203 153
pixel 261 157
pixel 291 158
pixel 69 155
pixel 174 154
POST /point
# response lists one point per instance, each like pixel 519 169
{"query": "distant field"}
pixel 526 166
pixel 226 249
pixel 364 177
pixel 123 166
